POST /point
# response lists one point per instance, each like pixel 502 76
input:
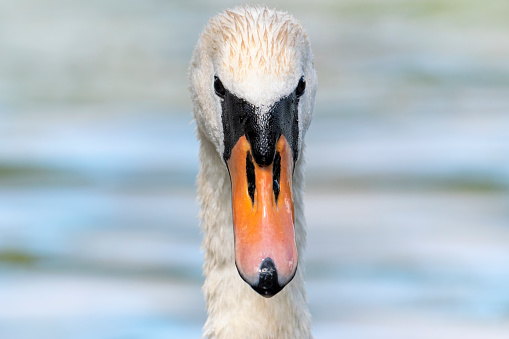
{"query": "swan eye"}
pixel 219 88
pixel 300 87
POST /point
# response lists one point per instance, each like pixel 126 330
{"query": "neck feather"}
pixel 234 308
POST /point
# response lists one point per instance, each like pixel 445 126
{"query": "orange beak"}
pixel 263 217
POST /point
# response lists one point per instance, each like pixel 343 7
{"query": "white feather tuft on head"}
pixel 259 54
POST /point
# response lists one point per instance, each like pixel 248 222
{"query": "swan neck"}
pixel 233 307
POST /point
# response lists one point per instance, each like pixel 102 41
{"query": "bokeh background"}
pixel 408 169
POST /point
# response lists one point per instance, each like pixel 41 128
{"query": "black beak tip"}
pixel 268 285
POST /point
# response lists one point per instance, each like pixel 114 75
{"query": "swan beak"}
pixel 263 217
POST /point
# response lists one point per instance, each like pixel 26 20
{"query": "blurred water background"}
pixel 407 161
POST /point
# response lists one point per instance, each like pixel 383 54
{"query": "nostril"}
pixel 251 178
pixel 276 169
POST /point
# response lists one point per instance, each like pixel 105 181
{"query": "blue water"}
pixel 407 171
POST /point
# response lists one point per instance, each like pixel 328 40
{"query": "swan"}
pixel 253 85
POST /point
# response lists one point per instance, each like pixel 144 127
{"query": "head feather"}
pixel 255 40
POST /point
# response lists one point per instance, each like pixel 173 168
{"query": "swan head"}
pixel 253 86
